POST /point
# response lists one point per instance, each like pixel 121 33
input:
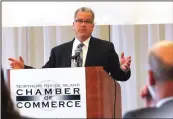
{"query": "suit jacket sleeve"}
pixel 49 64
pixel 52 60
pixel 114 66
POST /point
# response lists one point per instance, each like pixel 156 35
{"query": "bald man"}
pixel 158 93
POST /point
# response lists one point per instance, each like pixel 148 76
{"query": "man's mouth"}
pixel 82 30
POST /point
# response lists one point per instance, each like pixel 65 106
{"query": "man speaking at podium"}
pixel 85 50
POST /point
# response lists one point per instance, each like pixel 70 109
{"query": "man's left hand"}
pixel 125 62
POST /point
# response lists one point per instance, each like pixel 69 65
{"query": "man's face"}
pixel 83 24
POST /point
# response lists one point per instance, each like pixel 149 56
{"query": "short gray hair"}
pixel 162 70
pixel 85 9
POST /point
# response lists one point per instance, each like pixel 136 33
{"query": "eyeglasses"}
pixel 80 21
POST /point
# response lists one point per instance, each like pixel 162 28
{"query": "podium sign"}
pixel 50 92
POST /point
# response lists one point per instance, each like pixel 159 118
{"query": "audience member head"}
pixel 160 59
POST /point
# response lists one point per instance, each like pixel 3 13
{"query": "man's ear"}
pixel 151 77
pixel 93 27
pixel 73 26
pixel 94 24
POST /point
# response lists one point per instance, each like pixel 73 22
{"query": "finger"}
pixel 128 64
pixel 21 59
pixel 129 57
pixel 128 61
pixel 145 92
pixel 12 64
pixel 11 59
pixel 122 55
pixel 125 64
pixel 16 67
pixel 125 67
pixel 143 95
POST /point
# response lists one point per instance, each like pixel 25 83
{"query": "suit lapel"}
pixel 69 49
pixel 90 51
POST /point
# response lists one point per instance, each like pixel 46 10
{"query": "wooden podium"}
pixel 103 94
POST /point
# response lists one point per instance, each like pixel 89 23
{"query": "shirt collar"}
pixel 86 42
pixel 161 102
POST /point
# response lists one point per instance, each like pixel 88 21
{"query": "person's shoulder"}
pixel 142 112
pixel 63 45
pixel 166 109
pixel 132 113
pixel 102 41
pixel 167 104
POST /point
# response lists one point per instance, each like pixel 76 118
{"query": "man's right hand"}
pixel 146 96
pixel 17 64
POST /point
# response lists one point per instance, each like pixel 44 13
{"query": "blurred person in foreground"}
pixel 8 110
pixel 158 93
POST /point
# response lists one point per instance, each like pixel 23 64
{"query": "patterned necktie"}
pixel 79 59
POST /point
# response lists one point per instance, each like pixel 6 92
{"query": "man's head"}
pixel 160 60
pixel 83 23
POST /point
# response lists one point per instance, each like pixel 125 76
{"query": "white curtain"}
pixel 34 45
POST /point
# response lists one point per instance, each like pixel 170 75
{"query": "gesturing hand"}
pixel 125 62
pixel 17 64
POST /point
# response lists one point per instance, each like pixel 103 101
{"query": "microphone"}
pixel 75 56
pixel 77 53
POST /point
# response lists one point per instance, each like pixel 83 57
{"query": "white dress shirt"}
pixel 84 48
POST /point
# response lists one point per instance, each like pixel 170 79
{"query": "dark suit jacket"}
pixel 100 53
pixel 165 111
pixel 23 117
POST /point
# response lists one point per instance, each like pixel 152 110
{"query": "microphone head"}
pixel 76 55
pixel 78 50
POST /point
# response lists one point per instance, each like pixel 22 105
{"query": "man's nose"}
pixel 83 23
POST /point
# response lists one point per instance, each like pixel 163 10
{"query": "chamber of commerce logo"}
pixel 48 95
